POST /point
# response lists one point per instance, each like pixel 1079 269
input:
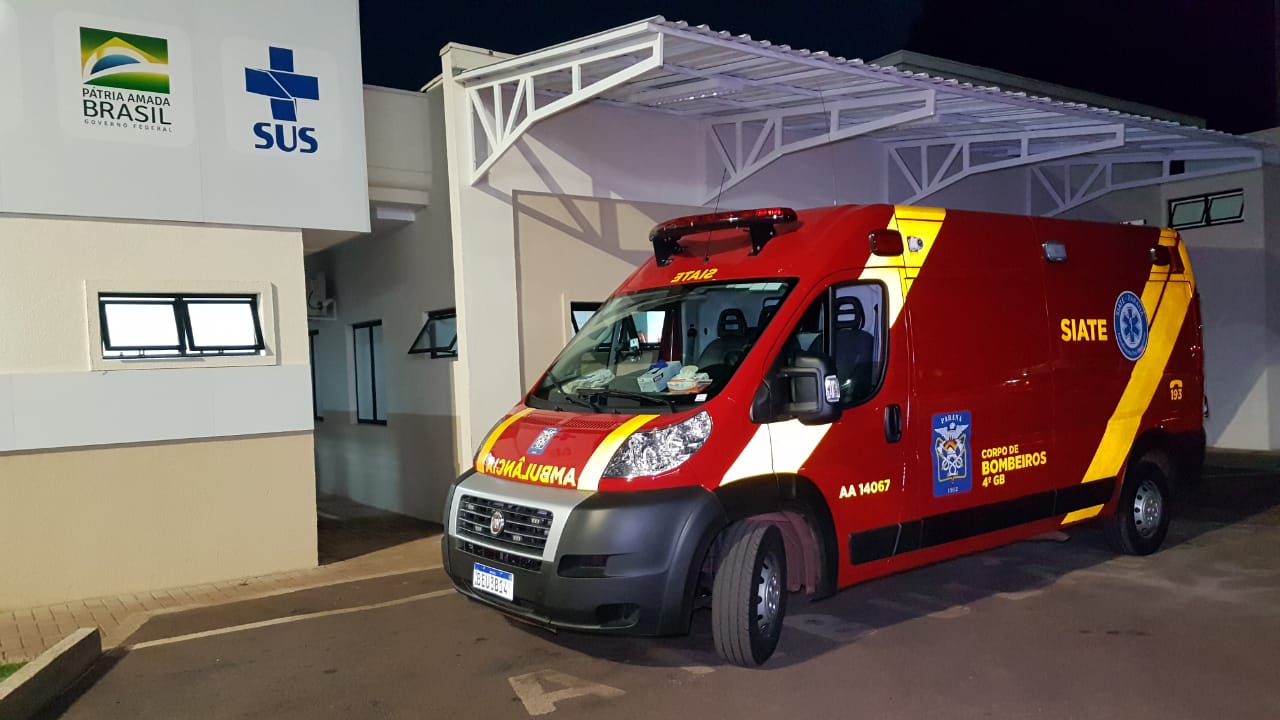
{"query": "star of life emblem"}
pixel 1132 331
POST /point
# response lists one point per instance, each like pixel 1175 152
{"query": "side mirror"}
pixel 811 389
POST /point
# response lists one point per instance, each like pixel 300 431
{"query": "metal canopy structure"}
pixel 759 102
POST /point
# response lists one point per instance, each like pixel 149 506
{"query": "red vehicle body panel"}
pixel 996 356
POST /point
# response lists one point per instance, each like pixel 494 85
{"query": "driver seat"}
pixel 731 338
pixel 853 347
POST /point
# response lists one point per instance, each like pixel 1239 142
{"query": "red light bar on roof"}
pixel 760 222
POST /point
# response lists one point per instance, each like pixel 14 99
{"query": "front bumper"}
pixel 625 562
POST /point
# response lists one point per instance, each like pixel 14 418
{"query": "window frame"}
pixel 315 395
pixel 186 346
pixel 1206 219
pixel 265 291
pixel 373 371
pixel 436 352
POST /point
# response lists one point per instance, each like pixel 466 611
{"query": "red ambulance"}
pixel 787 401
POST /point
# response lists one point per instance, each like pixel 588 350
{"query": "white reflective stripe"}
pixel 793 443
pixel 784 446
pixel 755 459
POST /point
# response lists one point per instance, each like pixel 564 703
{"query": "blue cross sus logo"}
pixel 285 88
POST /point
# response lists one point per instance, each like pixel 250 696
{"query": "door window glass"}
pixel 847 324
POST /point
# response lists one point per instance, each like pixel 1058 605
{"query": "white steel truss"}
pixel 747 142
pixel 503 108
pixel 1058 187
pixel 759 102
pixel 928 166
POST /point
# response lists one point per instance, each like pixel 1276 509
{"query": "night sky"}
pixel 1215 59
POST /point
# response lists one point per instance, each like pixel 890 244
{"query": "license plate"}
pixel 493 581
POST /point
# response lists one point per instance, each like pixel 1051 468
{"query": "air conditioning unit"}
pixel 321 304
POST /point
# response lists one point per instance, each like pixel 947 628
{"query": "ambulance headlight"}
pixel 657 451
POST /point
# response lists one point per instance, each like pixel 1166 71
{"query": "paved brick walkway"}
pixel 356 543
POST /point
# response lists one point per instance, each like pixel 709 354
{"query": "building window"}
pixel 315 403
pixel 438 336
pixel 156 325
pixel 371 397
pixel 1205 210
pixel 580 313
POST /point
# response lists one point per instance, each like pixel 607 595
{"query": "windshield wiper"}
pixel 575 399
pixel 608 392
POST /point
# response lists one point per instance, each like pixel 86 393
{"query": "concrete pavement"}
pixel 356 542
pixel 1046 630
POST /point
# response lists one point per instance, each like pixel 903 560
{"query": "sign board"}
pixel 236 112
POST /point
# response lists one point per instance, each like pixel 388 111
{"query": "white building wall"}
pixel 406 465
pixel 398 130
pixel 395 275
pixel 996 191
pixel 571 249
pixel 842 173
pixel 1231 266
pixel 136 477
pixel 1143 203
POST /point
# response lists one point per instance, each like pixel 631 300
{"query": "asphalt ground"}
pixel 1031 630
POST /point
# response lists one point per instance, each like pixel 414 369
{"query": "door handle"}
pixel 893 423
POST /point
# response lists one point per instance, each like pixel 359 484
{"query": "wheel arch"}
pixel 1178 455
pixel 798 508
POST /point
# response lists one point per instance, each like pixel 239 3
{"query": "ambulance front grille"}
pixel 524 529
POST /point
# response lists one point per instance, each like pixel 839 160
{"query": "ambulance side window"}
pixel 847 324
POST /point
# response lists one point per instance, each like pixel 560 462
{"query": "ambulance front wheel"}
pixel 749 594
pixel 1142 519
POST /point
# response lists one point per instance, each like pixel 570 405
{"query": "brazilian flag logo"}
pixel 123 60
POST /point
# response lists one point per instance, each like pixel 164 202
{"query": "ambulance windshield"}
pixel 660 348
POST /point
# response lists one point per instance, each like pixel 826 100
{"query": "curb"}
pixel 43 679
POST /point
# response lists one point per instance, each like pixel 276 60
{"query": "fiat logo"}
pixel 497 522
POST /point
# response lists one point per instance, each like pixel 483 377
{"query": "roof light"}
pixel 666 236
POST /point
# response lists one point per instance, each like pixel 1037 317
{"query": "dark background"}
pixel 1218 60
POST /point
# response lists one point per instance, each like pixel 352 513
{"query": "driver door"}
pixel 857 462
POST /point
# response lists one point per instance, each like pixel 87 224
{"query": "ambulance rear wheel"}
pixel 1142 519
pixel 749 595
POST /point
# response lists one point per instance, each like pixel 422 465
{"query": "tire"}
pixel 1141 521
pixel 749 594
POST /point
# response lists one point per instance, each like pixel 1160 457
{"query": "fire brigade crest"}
pixel 951 471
